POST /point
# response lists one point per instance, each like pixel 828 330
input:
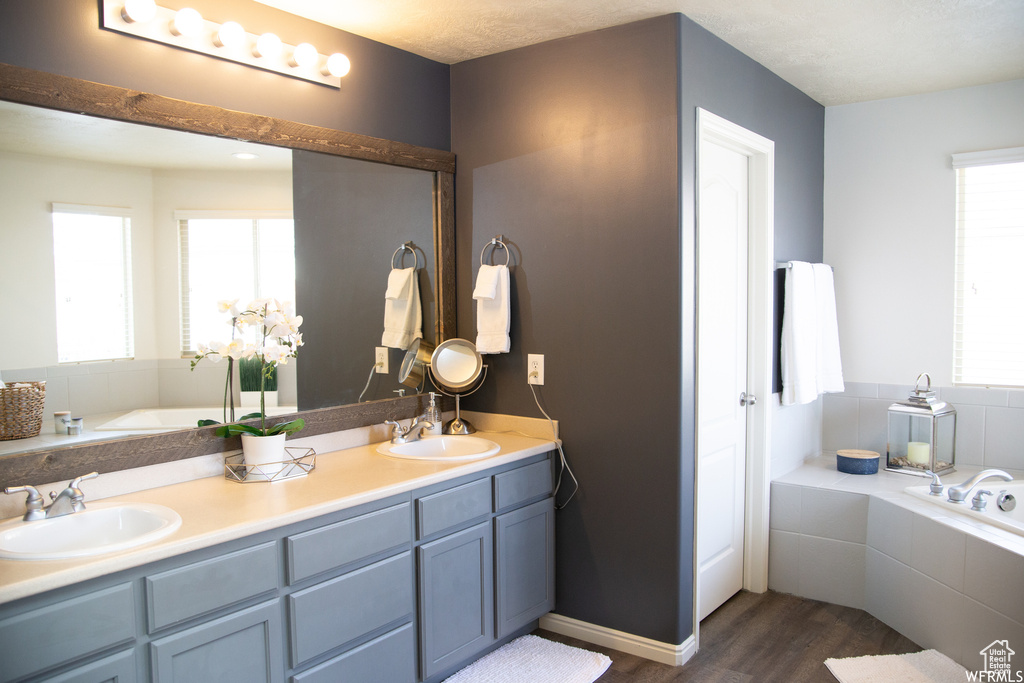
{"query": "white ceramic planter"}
pixel 265 451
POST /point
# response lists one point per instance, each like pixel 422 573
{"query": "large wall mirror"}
pixel 353 206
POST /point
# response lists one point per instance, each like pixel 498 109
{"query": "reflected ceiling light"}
pixel 337 65
pixel 267 46
pixel 138 11
pixel 245 155
pixel 187 22
pixel 304 55
pixel 186 29
pixel 230 35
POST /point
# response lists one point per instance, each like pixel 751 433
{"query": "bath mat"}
pixel 532 659
pixel 928 666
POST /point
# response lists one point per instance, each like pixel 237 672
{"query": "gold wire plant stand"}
pixel 302 461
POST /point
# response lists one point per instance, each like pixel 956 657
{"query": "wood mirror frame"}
pixel 28 86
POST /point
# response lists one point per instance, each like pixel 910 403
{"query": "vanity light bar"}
pixel 187 29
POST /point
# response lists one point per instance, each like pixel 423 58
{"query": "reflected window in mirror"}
pixel 231 256
pixel 92 268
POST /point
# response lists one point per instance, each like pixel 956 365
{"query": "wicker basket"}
pixel 21 410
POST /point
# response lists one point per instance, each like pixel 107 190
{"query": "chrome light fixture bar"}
pixel 188 30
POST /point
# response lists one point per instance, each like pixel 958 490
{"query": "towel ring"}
pixel 495 242
pixel 406 247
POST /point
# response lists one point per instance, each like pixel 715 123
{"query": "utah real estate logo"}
pixel 998 667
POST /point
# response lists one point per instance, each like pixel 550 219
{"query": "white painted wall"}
pixel 890 222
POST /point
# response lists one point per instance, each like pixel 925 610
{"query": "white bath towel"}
pixel 492 314
pixel 403 314
pixel 810 335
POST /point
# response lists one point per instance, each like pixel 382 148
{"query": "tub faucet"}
pixel 70 500
pixel 958 494
pixel 400 434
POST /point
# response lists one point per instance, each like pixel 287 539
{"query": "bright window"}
pixel 92 266
pixel 989 341
pixel 231 255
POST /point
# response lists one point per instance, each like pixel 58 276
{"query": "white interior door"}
pixel 721 373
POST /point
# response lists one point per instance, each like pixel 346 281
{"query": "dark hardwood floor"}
pixel 767 638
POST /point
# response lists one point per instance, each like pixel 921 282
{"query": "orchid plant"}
pixel 272 330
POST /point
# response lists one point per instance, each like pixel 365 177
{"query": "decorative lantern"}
pixel 922 433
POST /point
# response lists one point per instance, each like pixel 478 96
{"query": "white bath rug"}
pixel 928 666
pixel 532 659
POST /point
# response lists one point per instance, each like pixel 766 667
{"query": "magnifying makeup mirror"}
pixel 455 366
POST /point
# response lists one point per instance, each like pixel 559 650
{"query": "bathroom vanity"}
pixel 369 569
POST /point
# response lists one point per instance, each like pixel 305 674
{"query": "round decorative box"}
pixel 853 461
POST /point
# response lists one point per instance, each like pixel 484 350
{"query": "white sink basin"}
pixel 447 447
pixel 99 529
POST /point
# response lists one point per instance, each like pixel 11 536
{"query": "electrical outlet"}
pixel 535 368
pixel 381 360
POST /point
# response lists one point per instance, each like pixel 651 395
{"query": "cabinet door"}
pixel 525 555
pixel 456 598
pixel 244 647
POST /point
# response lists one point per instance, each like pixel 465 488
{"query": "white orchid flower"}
pixel 277 324
pixel 228 306
pixel 275 354
pixel 235 349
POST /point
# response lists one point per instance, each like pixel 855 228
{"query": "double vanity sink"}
pixel 105 528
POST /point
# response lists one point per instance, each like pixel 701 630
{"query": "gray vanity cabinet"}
pixel 407 588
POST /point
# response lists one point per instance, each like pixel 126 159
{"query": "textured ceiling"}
pixel 836 51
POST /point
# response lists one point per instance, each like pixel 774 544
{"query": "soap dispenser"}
pixel 433 415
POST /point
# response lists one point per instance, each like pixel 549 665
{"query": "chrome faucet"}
pixel 70 500
pixel 958 494
pixel 400 434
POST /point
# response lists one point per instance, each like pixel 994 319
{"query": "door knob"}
pixel 747 399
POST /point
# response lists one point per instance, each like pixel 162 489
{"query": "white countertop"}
pixel 214 510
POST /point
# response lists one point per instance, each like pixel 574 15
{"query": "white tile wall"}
pixel 938 551
pixel 990 422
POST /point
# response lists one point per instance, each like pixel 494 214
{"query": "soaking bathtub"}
pixel 1012 521
pixel 166 419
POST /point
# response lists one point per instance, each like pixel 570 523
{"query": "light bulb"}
pixel 268 45
pixel 139 11
pixel 229 35
pixel 304 55
pixel 187 22
pixel 337 65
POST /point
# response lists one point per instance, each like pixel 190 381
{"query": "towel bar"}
pixel 498 241
pixel 406 247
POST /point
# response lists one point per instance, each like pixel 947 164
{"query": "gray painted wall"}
pixel 350 217
pixel 570 149
pixel 389 93
pixel 581 151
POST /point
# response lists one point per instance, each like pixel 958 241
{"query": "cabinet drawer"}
pixel 335 612
pixel 186 592
pixel 453 507
pixel 522 484
pixel 119 668
pixel 65 631
pixel 391 658
pixel 336 545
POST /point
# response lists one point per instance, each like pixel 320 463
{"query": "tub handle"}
pixel 978 503
pixel 935 488
pixel 1006 501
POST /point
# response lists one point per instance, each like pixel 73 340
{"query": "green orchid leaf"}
pixel 287 427
pixel 227 431
pixel 250 416
pixel 207 423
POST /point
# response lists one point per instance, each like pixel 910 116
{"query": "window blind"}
pixel 989 307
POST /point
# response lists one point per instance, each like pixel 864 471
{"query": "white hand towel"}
pixel 810 335
pixel 799 336
pixel 487 282
pixel 403 313
pixel 492 314
pixel 830 367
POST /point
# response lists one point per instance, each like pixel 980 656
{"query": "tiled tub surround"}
pixel 944 581
pixel 989 422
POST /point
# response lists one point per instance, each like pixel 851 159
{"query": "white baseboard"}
pixel 664 653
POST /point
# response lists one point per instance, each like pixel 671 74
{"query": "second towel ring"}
pixel 406 247
pixel 496 242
